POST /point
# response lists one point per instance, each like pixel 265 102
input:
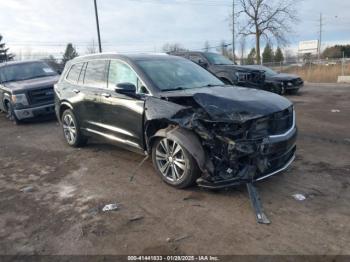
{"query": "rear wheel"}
pixel 71 130
pixel 174 163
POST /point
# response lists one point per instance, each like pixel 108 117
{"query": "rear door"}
pixel 122 114
pixel 71 90
pixel 94 83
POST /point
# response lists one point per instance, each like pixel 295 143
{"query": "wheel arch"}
pixel 189 141
pixel 63 107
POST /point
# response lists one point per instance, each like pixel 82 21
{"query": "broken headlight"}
pixel 20 99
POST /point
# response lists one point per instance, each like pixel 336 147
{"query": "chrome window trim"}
pixel 108 60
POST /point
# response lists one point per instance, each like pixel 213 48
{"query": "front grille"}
pixel 275 124
pixel 277 162
pixel 281 122
pixel 254 79
pixel 41 96
pixel 298 82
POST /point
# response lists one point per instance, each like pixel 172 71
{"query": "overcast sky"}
pixel 145 25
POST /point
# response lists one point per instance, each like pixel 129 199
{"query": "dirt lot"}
pixel 61 214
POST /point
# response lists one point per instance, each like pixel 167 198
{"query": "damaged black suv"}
pixel 196 128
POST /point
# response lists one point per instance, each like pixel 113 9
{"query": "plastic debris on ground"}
pixel 136 218
pixel 299 197
pixel 27 189
pixel 335 110
pixel 110 207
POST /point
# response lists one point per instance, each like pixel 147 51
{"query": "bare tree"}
pixel 176 47
pixel 91 49
pixel 267 18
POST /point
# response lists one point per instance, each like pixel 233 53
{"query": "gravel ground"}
pixel 51 195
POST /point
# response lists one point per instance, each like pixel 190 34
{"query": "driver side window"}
pixel 122 73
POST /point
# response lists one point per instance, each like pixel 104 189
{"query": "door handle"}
pixel 106 95
pixel 76 91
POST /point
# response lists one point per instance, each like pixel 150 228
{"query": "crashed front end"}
pixel 240 146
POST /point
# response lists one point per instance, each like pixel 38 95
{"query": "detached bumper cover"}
pixel 35 111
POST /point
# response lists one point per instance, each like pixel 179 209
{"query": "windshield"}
pixel 217 59
pixel 269 72
pixel 175 74
pixel 25 71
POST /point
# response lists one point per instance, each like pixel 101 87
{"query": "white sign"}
pixel 308 46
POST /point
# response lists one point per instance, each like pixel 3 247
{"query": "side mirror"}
pixel 125 88
pixel 203 64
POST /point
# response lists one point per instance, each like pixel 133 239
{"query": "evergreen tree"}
pixel 268 54
pixel 279 55
pixel 69 54
pixel 4 55
pixel 251 57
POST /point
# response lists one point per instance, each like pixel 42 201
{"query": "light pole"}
pixel 98 28
pixel 233 31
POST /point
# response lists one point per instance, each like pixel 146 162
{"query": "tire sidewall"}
pixel 78 135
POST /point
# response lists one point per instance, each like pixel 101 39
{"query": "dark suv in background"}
pixel 225 69
pixel 26 89
pixel 196 128
pixel 280 83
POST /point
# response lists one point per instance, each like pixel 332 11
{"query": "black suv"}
pixel 196 128
pixel 280 83
pixel 225 69
pixel 26 89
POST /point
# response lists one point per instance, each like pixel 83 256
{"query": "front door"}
pixel 122 116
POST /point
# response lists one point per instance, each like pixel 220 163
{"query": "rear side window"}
pixel 95 74
pixel 74 73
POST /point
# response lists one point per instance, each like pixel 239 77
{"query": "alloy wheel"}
pixel 69 129
pixel 170 159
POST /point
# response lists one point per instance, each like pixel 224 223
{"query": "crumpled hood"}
pixel 283 77
pixel 32 83
pixel 233 104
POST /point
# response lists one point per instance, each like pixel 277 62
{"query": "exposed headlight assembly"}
pixel 20 99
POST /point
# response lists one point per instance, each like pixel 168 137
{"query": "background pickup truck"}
pixel 225 69
pixel 26 89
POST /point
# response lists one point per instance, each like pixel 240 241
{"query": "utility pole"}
pixel 233 31
pixel 320 37
pixel 98 28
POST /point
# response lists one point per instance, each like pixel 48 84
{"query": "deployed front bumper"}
pixel 34 111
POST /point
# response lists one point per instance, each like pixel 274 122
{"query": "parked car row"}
pixel 196 127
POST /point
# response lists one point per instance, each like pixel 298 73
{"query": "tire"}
pixel 11 114
pixel 181 170
pixel 71 130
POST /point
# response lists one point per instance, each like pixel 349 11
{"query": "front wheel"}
pixel 71 130
pixel 174 163
pixel 11 114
